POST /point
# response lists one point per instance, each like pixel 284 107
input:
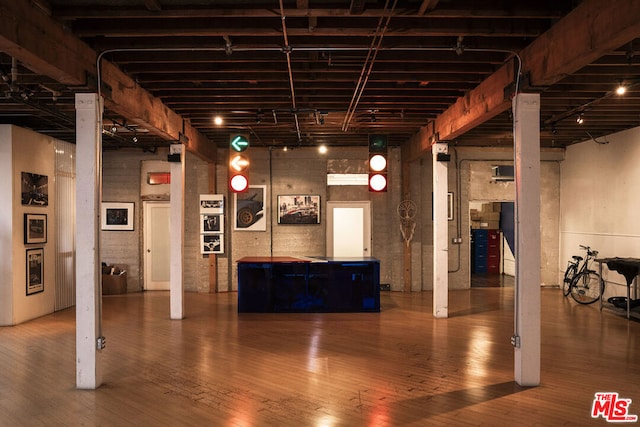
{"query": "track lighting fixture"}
pixel 579 119
pixel 621 89
pixel 135 139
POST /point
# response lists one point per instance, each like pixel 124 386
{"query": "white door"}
pixel 156 246
pixel 348 229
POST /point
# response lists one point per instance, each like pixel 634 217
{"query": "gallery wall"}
pixel 600 203
pixel 303 171
pixel 25 296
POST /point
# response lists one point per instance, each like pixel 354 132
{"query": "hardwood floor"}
pixel 399 367
pixel 491 280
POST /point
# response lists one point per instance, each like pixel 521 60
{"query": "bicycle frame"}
pixel 578 268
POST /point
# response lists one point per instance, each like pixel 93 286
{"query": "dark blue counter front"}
pixel 285 284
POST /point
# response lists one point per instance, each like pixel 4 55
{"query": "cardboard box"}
pixel 114 284
pixel 491 216
pixel 490 225
pixel 114 280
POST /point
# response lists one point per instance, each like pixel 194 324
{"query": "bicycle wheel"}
pixel 586 287
pixel 569 274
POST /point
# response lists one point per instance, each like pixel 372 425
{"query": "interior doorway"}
pixel 492 242
pixel 349 229
pixel 156 246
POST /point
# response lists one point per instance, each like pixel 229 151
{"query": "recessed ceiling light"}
pixel 620 90
pixel 217 120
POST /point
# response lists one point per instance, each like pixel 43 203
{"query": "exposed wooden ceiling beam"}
pixel 46 48
pixel 427 5
pixel 73 13
pixel 357 7
pixel 588 32
pixel 486 29
pixel 153 5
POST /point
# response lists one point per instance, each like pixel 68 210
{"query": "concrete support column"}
pixel 526 113
pixel 440 232
pixel 176 228
pixel 89 339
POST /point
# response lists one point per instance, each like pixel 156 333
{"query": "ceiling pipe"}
pixel 287 51
pixel 367 66
pixel 371 49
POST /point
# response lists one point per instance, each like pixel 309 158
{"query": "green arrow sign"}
pixel 239 143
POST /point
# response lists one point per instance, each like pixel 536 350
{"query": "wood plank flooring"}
pixel 399 367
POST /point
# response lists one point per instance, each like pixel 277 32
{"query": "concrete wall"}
pixel 600 203
pixel 22 150
pixel 470 180
pixel 122 182
pixel 304 171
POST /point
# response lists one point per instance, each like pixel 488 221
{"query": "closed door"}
pixel 156 246
pixel 348 229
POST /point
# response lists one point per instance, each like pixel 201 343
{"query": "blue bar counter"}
pixel 304 284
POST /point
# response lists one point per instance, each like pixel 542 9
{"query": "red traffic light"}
pixel 239 183
pixel 377 172
pixel 377 182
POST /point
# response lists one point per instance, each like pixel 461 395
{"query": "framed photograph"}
pixel 450 206
pixel 117 216
pixel 212 243
pixel 211 223
pixel 35 228
pixel 35 271
pixel 35 189
pixel 299 209
pixel 212 203
pixel 250 213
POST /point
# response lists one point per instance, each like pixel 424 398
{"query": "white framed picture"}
pixel 117 216
pixel 211 223
pixel 250 209
pixel 212 243
pixel 211 203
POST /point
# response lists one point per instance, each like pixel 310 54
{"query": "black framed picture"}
pixel 35 189
pixel 299 209
pixel 35 271
pixel 35 228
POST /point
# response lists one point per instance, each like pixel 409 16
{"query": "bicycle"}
pixel 584 285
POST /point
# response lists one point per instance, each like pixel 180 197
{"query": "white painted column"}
pixel 440 233
pixel 176 228
pixel 526 108
pixel 88 267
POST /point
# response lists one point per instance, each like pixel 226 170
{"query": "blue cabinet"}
pixel 284 284
pixel 480 248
